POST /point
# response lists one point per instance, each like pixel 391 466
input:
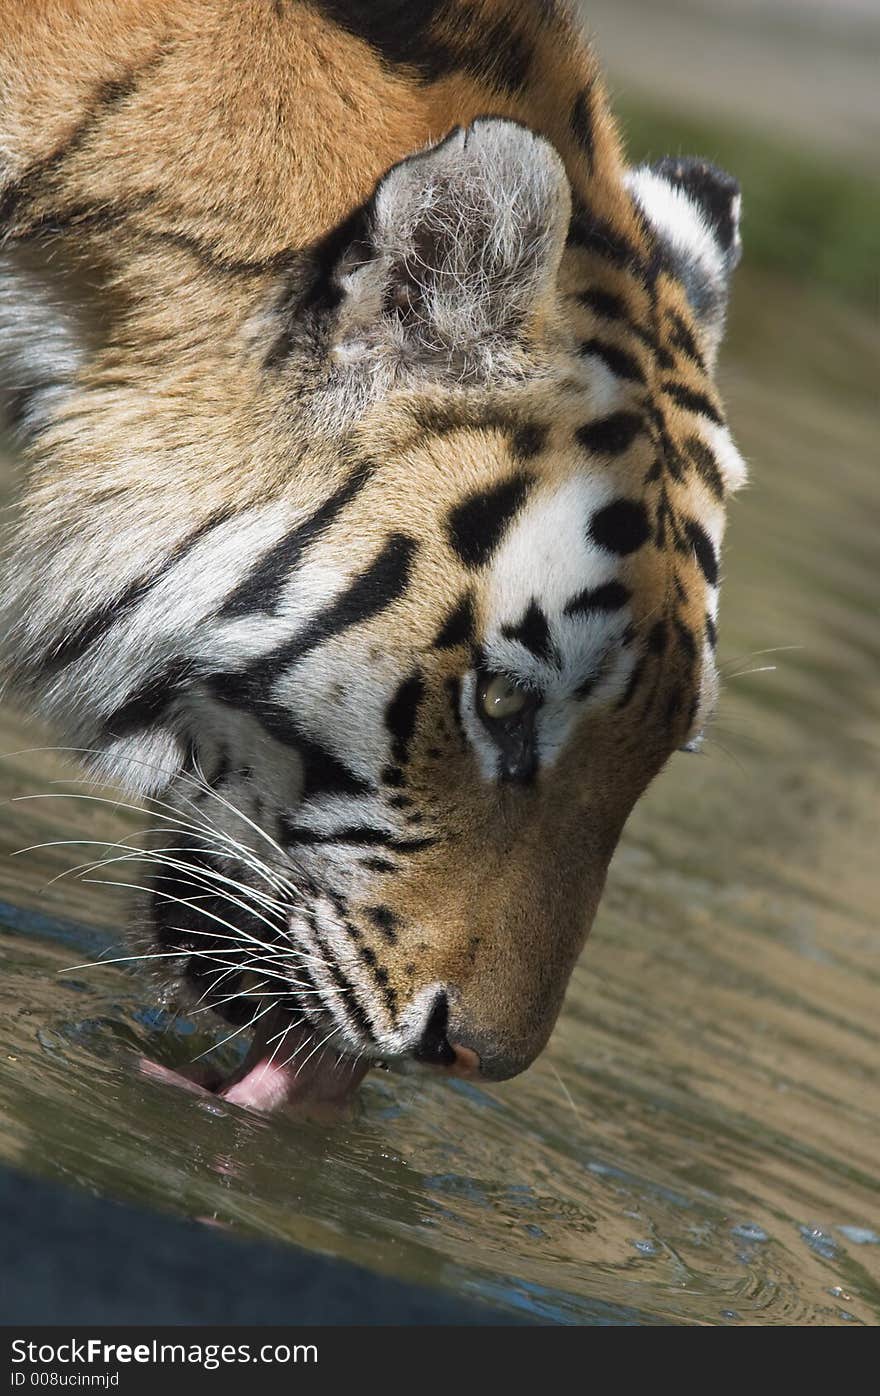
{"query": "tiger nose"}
pixel 435 1049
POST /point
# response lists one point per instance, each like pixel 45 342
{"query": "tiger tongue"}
pixel 292 1070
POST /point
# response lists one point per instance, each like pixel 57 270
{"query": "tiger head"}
pixel 400 710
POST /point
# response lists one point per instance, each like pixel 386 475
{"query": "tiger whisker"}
pixel 214 881
pixel 244 1028
pixel 294 956
pixel 755 654
pixel 711 739
pixel 217 975
pixel 125 959
pixel 743 673
pixel 255 993
pixel 227 804
pixel 238 932
pixel 281 1036
pixel 319 1047
pixel 158 856
pixel 199 829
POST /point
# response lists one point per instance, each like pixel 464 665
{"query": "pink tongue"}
pixel 292 1069
pixel 279 1071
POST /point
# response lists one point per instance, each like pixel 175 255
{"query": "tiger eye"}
pixel 500 699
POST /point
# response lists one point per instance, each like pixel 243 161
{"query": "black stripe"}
pixel 592 234
pixel 673 706
pixel 306 999
pixel 623 364
pixel 711 631
pixel 611 596
pixel 370 593
pixel 533 631
pixel 649 339
pixel 109 214
pixel 611 435
pixel 324 773
pixel 262 588
pixel 693 401
pixel 584 689
pixel 706 465
pixel 526 437
pixel 658 638
pixel 686 638
pixel 604 303
pixel 83 217
pixel 386 921
pixel 635 679
pixel 95 626
pixel 348 1000
pixel 369 957
pixel 403 34
pixel 209 255
pixel 221 771
pixel 582 124
pixel 496 54
pixel 621 527
pixel 672 459
pixel 683 339
pixel 106 96
pixel 453 693
pixel 379 865
pixel 21 405
pixel 705 550
pixel 459 626
pixel 398 31
pixel 362 835
pixel 149 703
pixel 401 714
pixel 476 526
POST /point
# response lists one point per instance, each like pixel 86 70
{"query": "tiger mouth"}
pixel 288 1064
pixel 304 1058
pixel 291 1063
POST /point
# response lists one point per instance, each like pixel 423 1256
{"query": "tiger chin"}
pixel 376 486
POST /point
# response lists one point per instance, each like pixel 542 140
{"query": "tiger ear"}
pixel 694 208
pixel 460 250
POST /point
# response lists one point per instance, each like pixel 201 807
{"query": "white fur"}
pixel 678 219
pixel 547 556
pixel 41 346
pixel 734 470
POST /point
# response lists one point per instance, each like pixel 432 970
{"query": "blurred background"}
pixel 701 1141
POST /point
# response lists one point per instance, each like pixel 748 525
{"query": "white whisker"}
pixel 742 673
pixel 244 1028
pixel 318 1048
pixel 199 829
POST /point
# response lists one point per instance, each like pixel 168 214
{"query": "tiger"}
pixel 375 482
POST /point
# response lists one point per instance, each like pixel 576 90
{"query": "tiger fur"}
pixel 361 384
